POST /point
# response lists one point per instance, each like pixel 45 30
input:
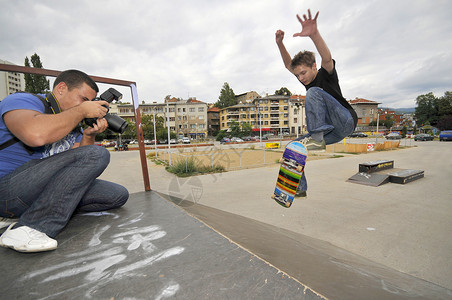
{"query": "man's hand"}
pixel 98 127
pixel 308 25
pixel 94 109
pixel 279 35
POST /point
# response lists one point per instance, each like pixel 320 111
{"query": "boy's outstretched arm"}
pixel 309 29
pixel 279 35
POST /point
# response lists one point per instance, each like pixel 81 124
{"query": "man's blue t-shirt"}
pixel 16 155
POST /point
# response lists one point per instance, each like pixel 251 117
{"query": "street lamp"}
pixel 155 135
pixel 378 122
pixel 167 125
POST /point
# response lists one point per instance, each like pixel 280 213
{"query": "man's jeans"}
pixel 325 114
pixel 44 193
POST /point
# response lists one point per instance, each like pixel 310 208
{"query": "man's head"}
pixel 72 87
pixel 304 66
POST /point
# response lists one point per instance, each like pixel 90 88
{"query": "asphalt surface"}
pixel 405 228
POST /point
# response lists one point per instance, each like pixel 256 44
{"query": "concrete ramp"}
pixel 149 249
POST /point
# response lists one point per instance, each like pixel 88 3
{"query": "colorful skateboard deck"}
pixel 290 172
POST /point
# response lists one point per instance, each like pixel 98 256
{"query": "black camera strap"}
pixel 51 106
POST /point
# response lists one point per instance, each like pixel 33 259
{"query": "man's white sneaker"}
pixel 5 222
pixel 26 239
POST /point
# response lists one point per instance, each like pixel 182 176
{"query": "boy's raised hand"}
pixel 308 24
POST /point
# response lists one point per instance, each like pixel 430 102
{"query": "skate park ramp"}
pixel 149 249
pixel 160 247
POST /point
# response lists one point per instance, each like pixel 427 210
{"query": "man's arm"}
pixel 37 129
pixel 309 28
pixel 282 49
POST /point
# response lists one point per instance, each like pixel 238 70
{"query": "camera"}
pixel 115 123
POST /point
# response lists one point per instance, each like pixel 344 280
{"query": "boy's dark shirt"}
pixel 330 84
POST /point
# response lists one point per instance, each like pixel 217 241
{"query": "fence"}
pixel 230 159
pixel 242 158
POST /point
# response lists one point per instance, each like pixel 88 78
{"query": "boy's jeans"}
pixel 44 193
pixel 325 114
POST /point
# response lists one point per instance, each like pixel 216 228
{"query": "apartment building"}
pixel 184 117
pixel 213 120
pixel 10 82
pixel 270 114
pixel 191 118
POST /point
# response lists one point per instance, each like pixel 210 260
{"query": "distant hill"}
pixel 408 110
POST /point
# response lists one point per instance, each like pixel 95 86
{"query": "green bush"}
pixel 190 167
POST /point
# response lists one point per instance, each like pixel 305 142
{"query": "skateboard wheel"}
pixel 299 168
pixel 273 196
pixel 287 204
pixel 281 160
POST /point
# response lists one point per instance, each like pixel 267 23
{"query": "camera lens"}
pixel 116 123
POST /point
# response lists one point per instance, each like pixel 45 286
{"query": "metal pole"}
pixel 155 135
pixel 280 129
pixel 260 125
pixel 167 124
pixel 302 121
pixel 378 122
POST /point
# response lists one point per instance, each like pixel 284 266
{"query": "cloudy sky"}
pixel 386 50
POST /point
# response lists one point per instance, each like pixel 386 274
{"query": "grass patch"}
pixel 190 167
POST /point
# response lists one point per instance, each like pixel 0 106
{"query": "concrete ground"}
pixel 403 227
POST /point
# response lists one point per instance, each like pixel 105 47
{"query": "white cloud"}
pixel 387 51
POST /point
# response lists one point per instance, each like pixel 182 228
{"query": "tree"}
pixel 246 129
pixel 283 92
pixel 36 84
pixel 425 109
pixel 404 131
pixel 227 97
pixel 147 122
pixel 445 123
pixel 235 129
pixel 221 134
pixel 433 110
pixel 162 134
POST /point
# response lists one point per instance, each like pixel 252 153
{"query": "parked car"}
pixel 225 140
pixel 423 137
pixel 445 135
pixel 150 142
pixel 247 138
pixel 358 134
pixel 108 144
pixel 393 136
pixel 133 142
pixel 186 140
pixel 236 140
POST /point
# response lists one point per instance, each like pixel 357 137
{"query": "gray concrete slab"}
pixel 403 227
pixel 149 249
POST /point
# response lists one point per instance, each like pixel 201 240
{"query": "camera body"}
pixel 115 123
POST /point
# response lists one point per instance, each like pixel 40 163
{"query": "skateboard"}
pixel 290 172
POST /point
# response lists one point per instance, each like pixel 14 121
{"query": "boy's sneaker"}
pixel 313 145
pixel 26 239
pixel 5 222
pixel 301 194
